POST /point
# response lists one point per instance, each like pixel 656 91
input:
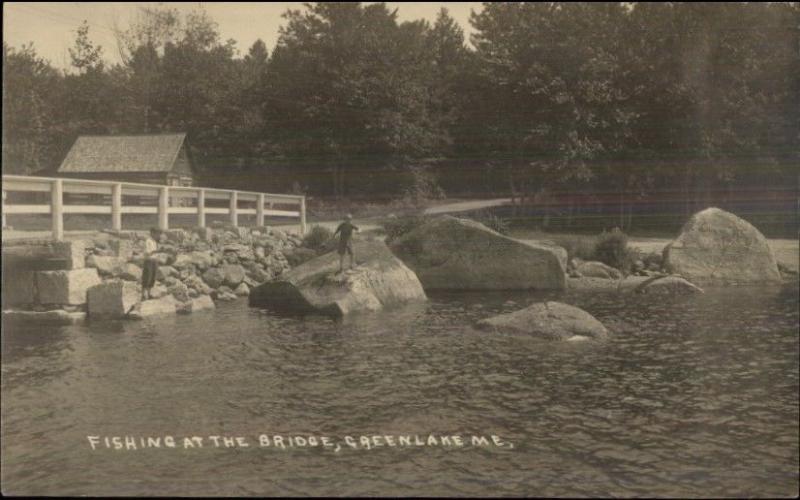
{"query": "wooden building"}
pixel 150 159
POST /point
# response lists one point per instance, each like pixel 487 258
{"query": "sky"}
pixel 51 25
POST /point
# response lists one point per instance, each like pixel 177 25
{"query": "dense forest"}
pixel 552 103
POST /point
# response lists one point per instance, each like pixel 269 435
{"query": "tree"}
pixel 551 76
pixel 348 88
pixel 85 55
pixel 29 85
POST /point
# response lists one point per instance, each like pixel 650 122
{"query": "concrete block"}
pixel 73 252
pixel 65 287
pixel 18 287
pixel 113 299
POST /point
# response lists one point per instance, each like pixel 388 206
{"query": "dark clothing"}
pixel 149 273
pixel 345 230
pixel 345 246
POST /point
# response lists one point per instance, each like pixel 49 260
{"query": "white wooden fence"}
pixel 170 200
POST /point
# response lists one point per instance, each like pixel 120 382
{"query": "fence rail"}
pixel 107 198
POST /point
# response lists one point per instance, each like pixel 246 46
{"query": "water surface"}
pixel 690 397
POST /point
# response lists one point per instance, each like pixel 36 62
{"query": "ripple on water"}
pixel 687 397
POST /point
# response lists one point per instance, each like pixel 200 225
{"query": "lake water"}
pixel 690 397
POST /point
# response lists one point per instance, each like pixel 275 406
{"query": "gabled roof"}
pixel 123 153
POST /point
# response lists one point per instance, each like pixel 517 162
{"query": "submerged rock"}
pixel 548 320
pixel 461 254
pixel 379 280
pixel 595 269
pixel 668 285
pixel 719 246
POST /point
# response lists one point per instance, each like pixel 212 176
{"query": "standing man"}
pixel 150 267
pixel 345 232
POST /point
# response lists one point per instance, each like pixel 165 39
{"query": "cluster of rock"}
pixel 196 267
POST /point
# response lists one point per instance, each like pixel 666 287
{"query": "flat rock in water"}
pixel 715 245
pixel 461 254
pixel 668 285
pixel 379 280
pixel 57 317
pixel 548 320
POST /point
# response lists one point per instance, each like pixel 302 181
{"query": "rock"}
pixel 162 258
pixel 131 272
pixel 198 259
pixel 121 248
pixel 214 277
pixel 548 320
pixel 72 252
pixel 224 293
pixel 594 269
pixel 177 236
pixel 244 252
pixel 242 290
pixel 180 291
pixel 380 280
pixel 668 285
pixel 106 266
pixel 165 272
pixel 233 274
pixel 715 245
pixel 451 253
pixel 195 283
pixel 204 233
pixel 57 317
pixel 154 307
pixel 158 291
pixel 113 299
pixel 65 287
pixel 202 302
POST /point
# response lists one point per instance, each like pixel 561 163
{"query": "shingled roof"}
pixel 123 153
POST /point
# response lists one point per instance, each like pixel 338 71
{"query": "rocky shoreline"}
pixel 100 277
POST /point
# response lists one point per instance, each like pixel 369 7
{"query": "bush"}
pixel 581 247
pixel 395 227
pixel 317 238
pixel 612 248
pixel 300 255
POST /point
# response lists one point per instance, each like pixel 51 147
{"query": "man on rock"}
pixel 345 232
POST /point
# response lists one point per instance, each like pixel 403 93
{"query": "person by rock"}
pixel 149 267
pixel 345 232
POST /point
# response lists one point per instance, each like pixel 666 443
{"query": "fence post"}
pixel 163 208
pixel 234 208
pixel 303 216
pixel 201 207
pixel 57 208
pixel 116 207
pixel 260 210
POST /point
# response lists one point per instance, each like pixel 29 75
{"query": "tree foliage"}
pixel 629 98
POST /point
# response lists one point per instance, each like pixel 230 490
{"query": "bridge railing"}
pixel 108 198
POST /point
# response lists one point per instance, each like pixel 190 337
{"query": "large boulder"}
pixel 380 280
pixel 72 252
pixel 548 320
pixel 106 265
pixel 65 287
pixel 113 299
pixel 715 245
pixel 452 253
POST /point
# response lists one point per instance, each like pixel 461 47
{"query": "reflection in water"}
pixel 690 396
